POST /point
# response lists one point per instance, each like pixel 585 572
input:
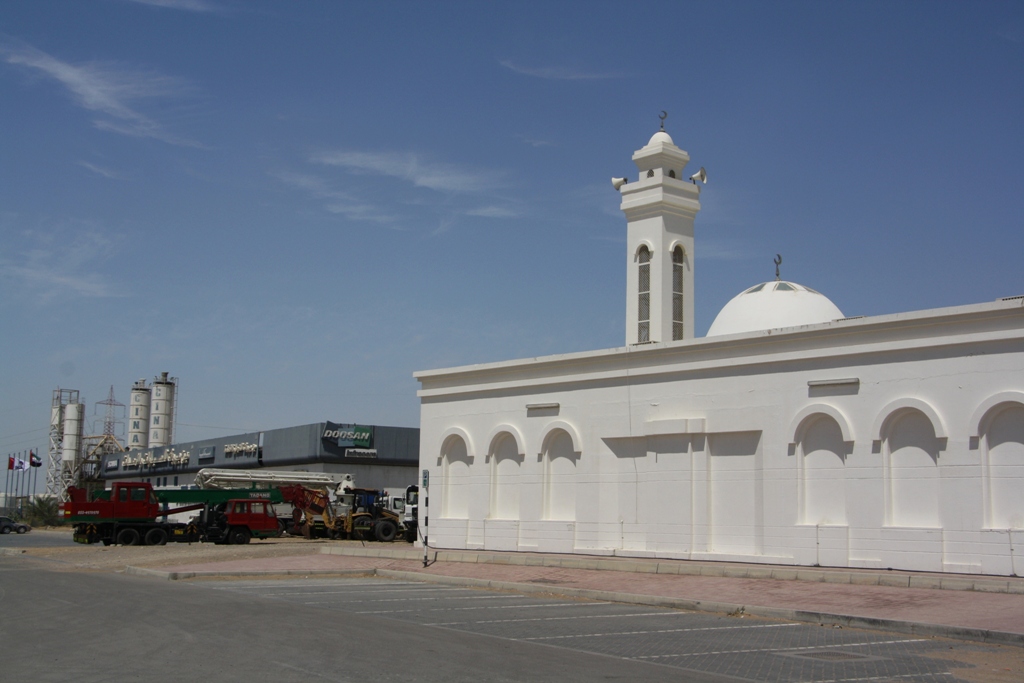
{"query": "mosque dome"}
pixel 772 305
pixel 660 136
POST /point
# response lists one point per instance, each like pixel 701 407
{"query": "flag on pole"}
pixel 20 464
pixel 34 460
pixel 10 462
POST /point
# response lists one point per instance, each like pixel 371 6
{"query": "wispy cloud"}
pixel 53 266
pixel 720 251
pixel 410 167
pixel 337 202
pixel 492 212
pixel 111 90
pixel 561 73
pixel 99 170
pixel 186 5
pixel 534 142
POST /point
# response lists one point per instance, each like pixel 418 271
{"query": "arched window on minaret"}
pixel 644 289
pixel 677 293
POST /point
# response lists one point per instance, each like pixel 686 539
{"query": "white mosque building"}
pixel 788 435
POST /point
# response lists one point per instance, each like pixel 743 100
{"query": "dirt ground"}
pixel 97 557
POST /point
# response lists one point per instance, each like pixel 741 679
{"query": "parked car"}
pixel 7 525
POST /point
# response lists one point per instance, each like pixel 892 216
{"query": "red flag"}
pixel 10 462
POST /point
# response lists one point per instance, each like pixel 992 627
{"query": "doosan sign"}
pixel 354 434
pixel 339 439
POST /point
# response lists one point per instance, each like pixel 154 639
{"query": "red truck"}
pixel 133 513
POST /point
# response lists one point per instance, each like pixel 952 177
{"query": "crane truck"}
pixel 133 513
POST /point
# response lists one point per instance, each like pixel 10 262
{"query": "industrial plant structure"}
pixel 152 411
pixel 76 457
pixel 376 456
pixel 65 452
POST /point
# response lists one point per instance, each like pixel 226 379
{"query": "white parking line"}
pixel 667 630
pixel 586 616
pixel 257 587
pixel 446 597
pixel 784 649
pixel 884 678
pixel 457 609
pixel 350 592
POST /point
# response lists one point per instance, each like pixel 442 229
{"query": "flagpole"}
pixel 7 484
pixel 35 482
pixel 17 478
pixel 23 473
pixel 21 494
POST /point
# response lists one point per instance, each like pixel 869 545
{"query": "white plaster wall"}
pixel 696 449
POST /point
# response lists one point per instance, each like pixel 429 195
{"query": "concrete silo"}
pixel 71 446
pixel 161 413
pixel 138 416
pixel 56 477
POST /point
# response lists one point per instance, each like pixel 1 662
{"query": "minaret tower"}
pixel 660 208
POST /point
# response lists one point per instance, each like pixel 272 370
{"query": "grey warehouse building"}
pixel 376 457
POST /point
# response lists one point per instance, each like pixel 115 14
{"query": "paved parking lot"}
pixel 728 645
pixel 38 538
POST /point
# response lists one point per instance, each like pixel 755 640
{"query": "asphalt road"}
pixel 83 627
pixel 60 625
pixel 37 538
pixel 687 645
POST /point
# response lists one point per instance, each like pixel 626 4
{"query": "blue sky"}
pixel 294 206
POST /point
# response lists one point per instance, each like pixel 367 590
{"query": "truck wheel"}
pixel 127 537
pixel 238 536
pixel 156 537
pixel 385 531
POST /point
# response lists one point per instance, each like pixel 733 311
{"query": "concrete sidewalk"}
pixel 971 608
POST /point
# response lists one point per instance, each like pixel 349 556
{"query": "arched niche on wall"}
pixel 816 409
pixel 823 441
pixel 998 423
pixel 897 407
pixel 911 434
pixel 502 431
pixel 555 425
pixel 456 477
pixel 560 455
pixel 462 434
pixel 505 455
